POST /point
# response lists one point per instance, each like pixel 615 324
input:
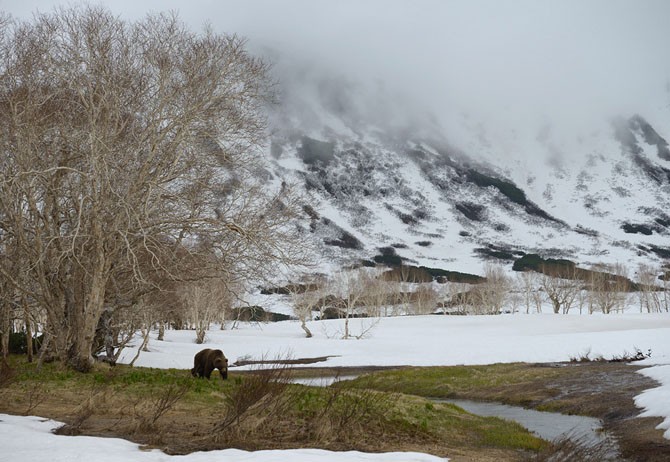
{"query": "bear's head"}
pixel 221 363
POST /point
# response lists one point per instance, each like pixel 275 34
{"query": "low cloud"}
pixel 504 64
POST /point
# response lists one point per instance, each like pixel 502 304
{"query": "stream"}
pixel 324 381
pixel 550 426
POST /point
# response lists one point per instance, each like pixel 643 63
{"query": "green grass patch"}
pixel 452 381
pixel 140 381
pixel 460 428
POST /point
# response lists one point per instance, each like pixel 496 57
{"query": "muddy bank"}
pixel 607 391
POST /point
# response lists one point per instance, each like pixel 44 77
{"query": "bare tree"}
pixel 307 297
pixel 204 301
pixel 380 294
pixel 129 154
pixel 561 291
pixel 351 287
pixel 455 296
pixel 665 278
pixel 527 282
pixel 403 278
pixel 490 296
pixel 622 285
pixel 424 299
pixel 648 290
pixel 145 318
pixel 582 299
pixel 608 288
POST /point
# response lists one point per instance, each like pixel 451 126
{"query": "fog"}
pixel 504 63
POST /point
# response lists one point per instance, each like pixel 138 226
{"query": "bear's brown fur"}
pixel 205 361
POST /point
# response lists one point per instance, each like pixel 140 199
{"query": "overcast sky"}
pixel 567 59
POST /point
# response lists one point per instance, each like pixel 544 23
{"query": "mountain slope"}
pixel 385 189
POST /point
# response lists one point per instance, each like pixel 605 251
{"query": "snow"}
pixel 426 340
pixel 656 401
pixel 30 438
pixel 409 340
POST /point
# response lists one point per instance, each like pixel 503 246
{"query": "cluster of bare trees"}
pixel 346 294
pixel 373 293
pixel 360 293
pixel 601 288
pixel 652 289
pixel 130 166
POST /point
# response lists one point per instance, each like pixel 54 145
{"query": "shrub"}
pixel 261 392
pixel 507 188
pixel 631 228
pixel 495 252
pixel 443 276
pixel 388 260
pixel 534 262
pixel 257 314
pixel 471 211
pixel 314 151
pixel 346 241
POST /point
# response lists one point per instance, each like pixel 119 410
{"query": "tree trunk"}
pixel 346 326
pixel 303 324
pixel 29 331
pixel 200 335
pixel 143 347
pixel 82 327
pixel 79 354
pixel 43 349
pixel 4 329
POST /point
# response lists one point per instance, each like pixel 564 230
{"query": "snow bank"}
pixel 656 401
pixel 30 438
pixel 427 340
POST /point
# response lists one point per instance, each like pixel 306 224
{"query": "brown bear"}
pixel 207 360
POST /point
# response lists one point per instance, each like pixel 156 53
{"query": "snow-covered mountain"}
pixel 385 185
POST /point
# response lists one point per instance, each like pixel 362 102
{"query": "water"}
pixel 551 426
pixel 323 381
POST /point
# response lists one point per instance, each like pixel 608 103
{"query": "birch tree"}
pixel 648 290
pixel 306 298
pixel 352 289
pixel 130 156
pixel 561 291
pixel 490 296
pixel 204 302
pixel 527 282
pixel 608 288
